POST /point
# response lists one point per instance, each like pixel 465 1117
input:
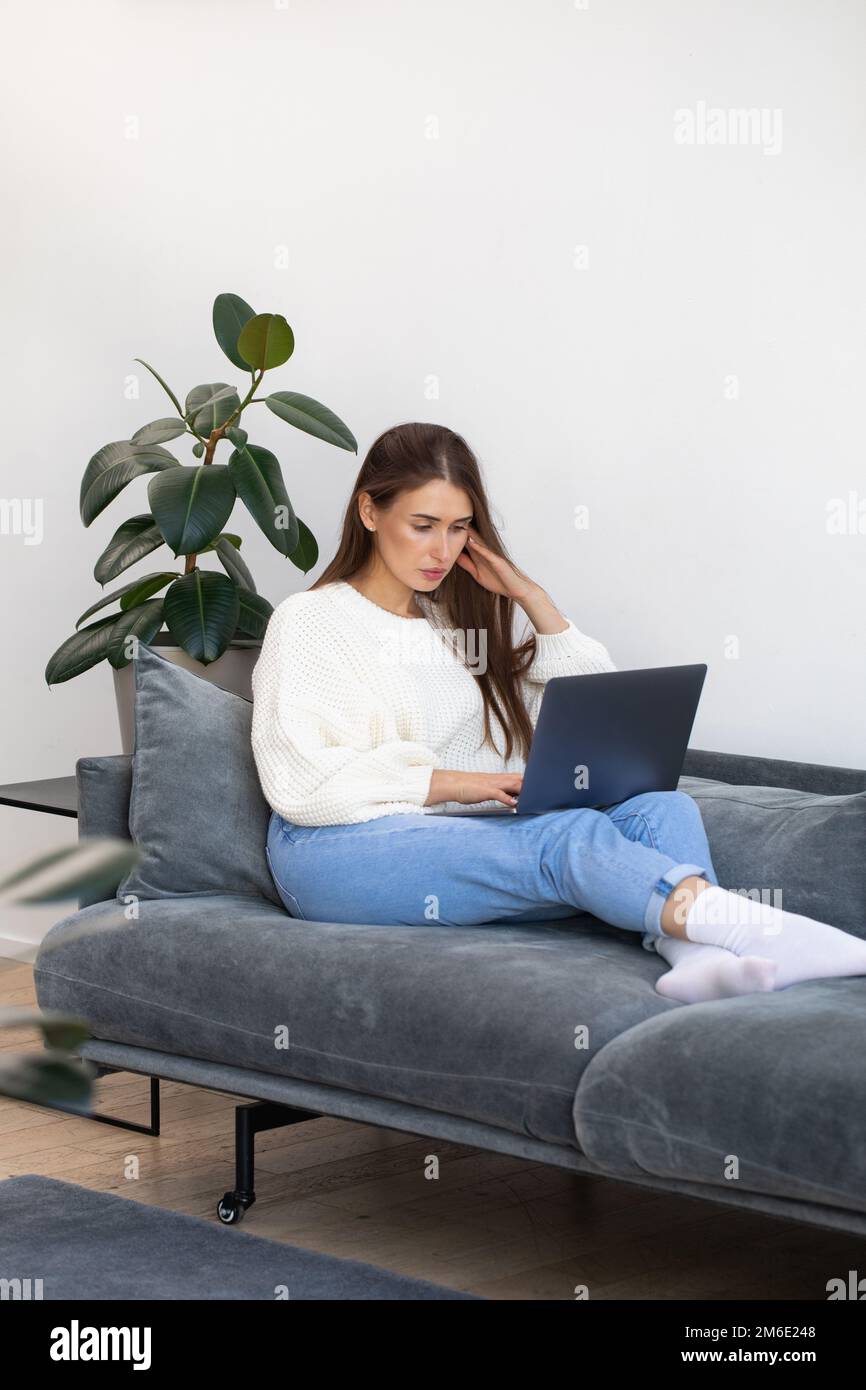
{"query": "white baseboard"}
pixel 16 951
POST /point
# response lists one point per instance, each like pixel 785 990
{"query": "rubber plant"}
pixel 204 609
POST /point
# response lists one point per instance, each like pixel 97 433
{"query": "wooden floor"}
pixel 490 1224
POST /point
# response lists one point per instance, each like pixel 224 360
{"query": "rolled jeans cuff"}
pixel 662 889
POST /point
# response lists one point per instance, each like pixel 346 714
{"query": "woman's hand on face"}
pixel 493 572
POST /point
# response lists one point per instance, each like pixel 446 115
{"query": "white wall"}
pixel 411 185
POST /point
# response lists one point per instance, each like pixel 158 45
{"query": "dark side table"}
pixel 56 795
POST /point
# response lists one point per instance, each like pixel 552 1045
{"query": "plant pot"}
pixel 231 671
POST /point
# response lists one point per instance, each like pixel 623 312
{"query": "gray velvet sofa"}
pixel 548 1041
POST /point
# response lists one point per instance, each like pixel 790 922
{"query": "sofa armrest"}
pixel 104 787
pixel 745 770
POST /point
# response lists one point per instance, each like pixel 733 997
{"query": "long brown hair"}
pixel 406 457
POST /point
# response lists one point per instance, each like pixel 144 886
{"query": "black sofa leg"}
pixel 249 1121
pixel 152 1128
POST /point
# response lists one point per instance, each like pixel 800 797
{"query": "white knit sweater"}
pixel 354 706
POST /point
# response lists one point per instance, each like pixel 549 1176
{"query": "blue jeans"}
pixel 618 863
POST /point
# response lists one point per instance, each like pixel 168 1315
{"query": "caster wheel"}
pixel 229 1210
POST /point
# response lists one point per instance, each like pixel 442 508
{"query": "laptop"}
pixel 602 738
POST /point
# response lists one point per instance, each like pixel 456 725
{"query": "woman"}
pixel 375 699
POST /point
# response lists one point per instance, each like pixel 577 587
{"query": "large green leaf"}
pixel 158 431
pixel 312 417
pixel 259 483
pixel 60 1031
pixel 45 1079
pixel 230 313
pixel 266 341
pixel 91 863
pixel 143 622
pixel 192 504
pixel 209 406
pixel 254 613
pixel 130 542
pixel 306 553
pixel 113 467
pixel 80 651
pixel 201 611
pixel 133 593
pixel 230 559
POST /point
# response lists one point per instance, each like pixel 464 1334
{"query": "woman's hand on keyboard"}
pixel 470 787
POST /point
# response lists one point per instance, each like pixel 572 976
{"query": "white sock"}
pixel 702 972
pixel 803 948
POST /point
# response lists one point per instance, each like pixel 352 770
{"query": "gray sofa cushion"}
pixel 196 811
pixel 803 851
pixel 773 1081
pixel 478 1022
